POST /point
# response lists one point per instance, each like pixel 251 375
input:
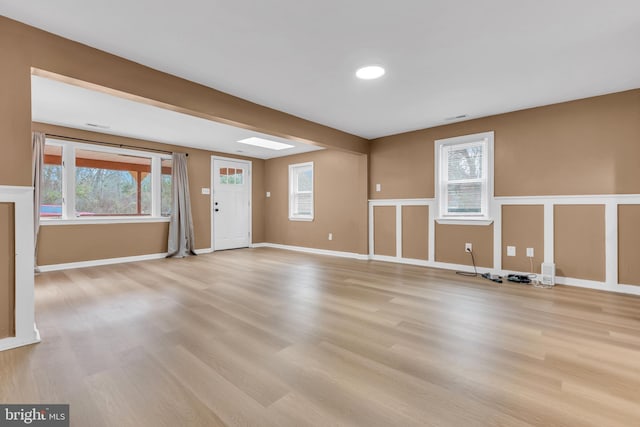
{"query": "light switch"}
pixel 268 193
pixel 511 251
pixel 378 187
pixel 206 191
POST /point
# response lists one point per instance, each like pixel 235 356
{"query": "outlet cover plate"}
pixel 511 251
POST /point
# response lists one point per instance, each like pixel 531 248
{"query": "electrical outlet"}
pixel 511 251
pixel 468 247
pixel 530 252
pixel 378 187
pixel 268 193
pixel 330 236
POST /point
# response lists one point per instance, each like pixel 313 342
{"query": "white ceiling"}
pixel 443 58
pixel 72 106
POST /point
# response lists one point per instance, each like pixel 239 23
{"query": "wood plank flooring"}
pixel 264 337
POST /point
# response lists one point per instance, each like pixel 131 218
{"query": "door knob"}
pixel 217 209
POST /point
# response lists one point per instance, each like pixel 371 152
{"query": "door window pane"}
pixel 231 176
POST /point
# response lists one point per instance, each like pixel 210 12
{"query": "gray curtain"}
pixel 37 162
pixel 181 239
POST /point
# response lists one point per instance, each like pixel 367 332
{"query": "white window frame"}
pixel 487 197
pixel 69 177
pixel 293 191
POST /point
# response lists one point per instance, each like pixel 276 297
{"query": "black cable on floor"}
pixel 475 273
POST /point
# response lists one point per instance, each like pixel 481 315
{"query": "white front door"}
pixel 231 210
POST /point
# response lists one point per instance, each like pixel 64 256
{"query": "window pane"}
pixel 165 187
pixel 301 191
pixel 465 162
pixel 464 198
pixel 111 184
pixel 232 176
pixel 239 176
pixel 51 190
pixel 223 176
pixel 146 193
pixel 305 179
pixel 302 204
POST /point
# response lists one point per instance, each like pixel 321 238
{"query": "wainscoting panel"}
pixel 17 264
pixel 7 270
pixel 579 241
pixel 384 231
pixel 415 232
pixel 629 244
pixel 592 239
pixel 523 227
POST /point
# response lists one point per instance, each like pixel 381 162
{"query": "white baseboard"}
pixel 340 254
pixel 98 262
pixel 14 342
pixel 600 286
pixel 568 281
pixel 203 251
pixel 431 264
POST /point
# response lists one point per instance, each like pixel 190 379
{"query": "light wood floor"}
pixel 263 337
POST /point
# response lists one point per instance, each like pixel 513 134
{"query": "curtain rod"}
pixel 113 144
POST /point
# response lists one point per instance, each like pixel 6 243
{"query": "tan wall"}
pixel 57 247
pixel 7 270
pixel 384 230
pixel 523 227
pixel 60 244
pixel 629 244
pixel 415 232
pixel 589 146
pixel 24 47
pixel 340 192
pixel 450 241
pixel 579 241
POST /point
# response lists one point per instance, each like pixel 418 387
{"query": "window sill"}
pixel 102 220
pixel 300 219
pixel 464 221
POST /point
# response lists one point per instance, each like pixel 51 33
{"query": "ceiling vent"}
pixel 461 116
pixel 96 125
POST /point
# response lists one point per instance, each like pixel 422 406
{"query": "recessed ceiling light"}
pixel 370 72
pixel 265 143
